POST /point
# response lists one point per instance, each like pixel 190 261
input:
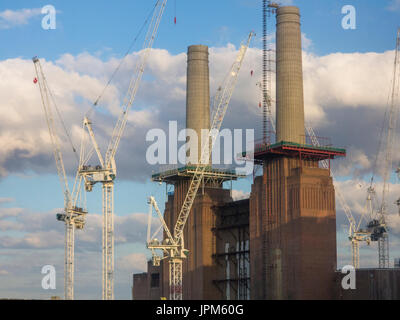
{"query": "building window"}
pixel 155 280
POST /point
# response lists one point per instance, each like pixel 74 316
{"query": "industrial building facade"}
pixel 218 266
pixel 281 242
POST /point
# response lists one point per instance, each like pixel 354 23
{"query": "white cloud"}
pixel 33 240
pixel 285 2
pixel 337 87
pixel 356 164
pixel 9 212
pixel 6 200
pixel 345 97
pixel 394 5
pixel 134 261
pixel 355 194
pixel 37 228
pixel 342 81
pixel 13 18
pixel 306 42
pixel 240 195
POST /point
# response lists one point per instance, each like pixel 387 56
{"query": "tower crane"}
pixel 377 225
pixel 73 216
pixel 105 173
pixel 355 233
pixel 173 245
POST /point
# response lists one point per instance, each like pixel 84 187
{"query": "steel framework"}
pixel 269 8
pixel 378 226
pixel 106 172
pixel 73 217
pixel 108 240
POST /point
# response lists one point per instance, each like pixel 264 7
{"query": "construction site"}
pixel 281 242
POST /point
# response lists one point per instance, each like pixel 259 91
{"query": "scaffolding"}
pixel 232 250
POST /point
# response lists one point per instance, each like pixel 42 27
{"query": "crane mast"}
pixel 269 7
pixel 105 173
pixel 73 217
pixel 173 246
pixel 378 226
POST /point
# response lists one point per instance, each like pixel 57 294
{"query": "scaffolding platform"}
pixel 187 172
pixel 290 149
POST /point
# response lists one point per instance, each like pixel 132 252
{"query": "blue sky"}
pixel 97 26
pixel 99 31
pixel 106 30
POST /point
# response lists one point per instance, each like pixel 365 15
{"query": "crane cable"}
pixel 381 136
pixel 375 165
pixel 95 103
pixel 124 57
pixel 62 121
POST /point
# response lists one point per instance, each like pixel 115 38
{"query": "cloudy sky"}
pixel 347 77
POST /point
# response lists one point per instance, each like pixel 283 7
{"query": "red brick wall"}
pixel 200 268
pixel 292 231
